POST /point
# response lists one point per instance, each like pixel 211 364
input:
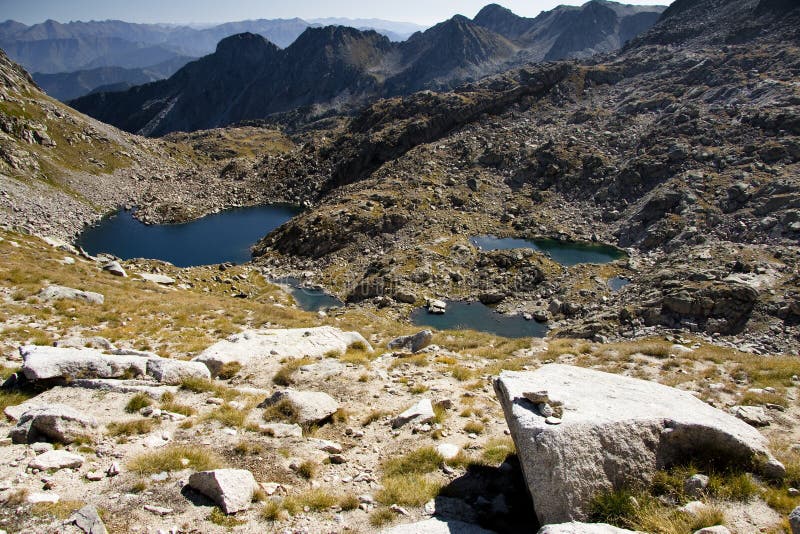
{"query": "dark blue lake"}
pixel 223 237
pixel 477 316
pixel 565 253
pixel 307 298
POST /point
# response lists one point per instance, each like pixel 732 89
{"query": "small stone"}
pixel 158 510
pixel 95 476
pixel 794 520
pixel 553 421
pixel 55 460
pixel 216 401
pixel 41 447
pixel 544 409
pixel 113 470
pixel 448 451
pixel 399 510
pixel 695 485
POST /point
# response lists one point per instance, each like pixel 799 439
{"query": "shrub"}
pixel 169 404
pixel 136 427
pixel 137 402
pixel 407 490
pixel 308 469
pixel 381 517
pixel 229 370
pixel 423 460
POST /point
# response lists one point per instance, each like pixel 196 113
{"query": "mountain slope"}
pixel 340 69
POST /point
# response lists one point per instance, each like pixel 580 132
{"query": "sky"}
pixel 425 12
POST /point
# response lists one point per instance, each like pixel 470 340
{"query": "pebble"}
pixel 553 421
pixel 95 476
pixel 158 510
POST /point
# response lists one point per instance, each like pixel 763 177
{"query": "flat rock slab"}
pixel 157 278
pixel 613 431
pixel 231 489
pixel 45 363
pixel 437 526
pixel 253 346
pixel 55 460
pixel 583 528
pixel 308 407
pixel 56 422
pixel 55 292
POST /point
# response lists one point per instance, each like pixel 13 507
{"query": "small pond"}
pixel 476 316
pixel 565 253
pixel 618 283
pixel 222 237
pixel 308 299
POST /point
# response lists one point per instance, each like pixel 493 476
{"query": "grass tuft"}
pixel 174 458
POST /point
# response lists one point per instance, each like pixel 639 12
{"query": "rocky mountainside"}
pixel 571 31
pixel 441 57
pixel 684 153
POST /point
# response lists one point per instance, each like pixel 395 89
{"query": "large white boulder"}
pixel 308 407
pixel 56 422
pixel 231 489
pixel 253 346
pixel 55 292
pixel 609 430
pixel 44 362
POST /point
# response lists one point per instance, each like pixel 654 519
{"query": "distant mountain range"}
pixel 337 67
pixel 54 47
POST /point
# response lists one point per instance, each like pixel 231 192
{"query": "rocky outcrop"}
pixel 252 346
pixel 579 432
pixel 231 489
pixel 57 423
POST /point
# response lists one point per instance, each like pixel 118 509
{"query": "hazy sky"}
pixel 200 11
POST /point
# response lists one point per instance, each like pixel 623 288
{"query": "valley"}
pixel 361 276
